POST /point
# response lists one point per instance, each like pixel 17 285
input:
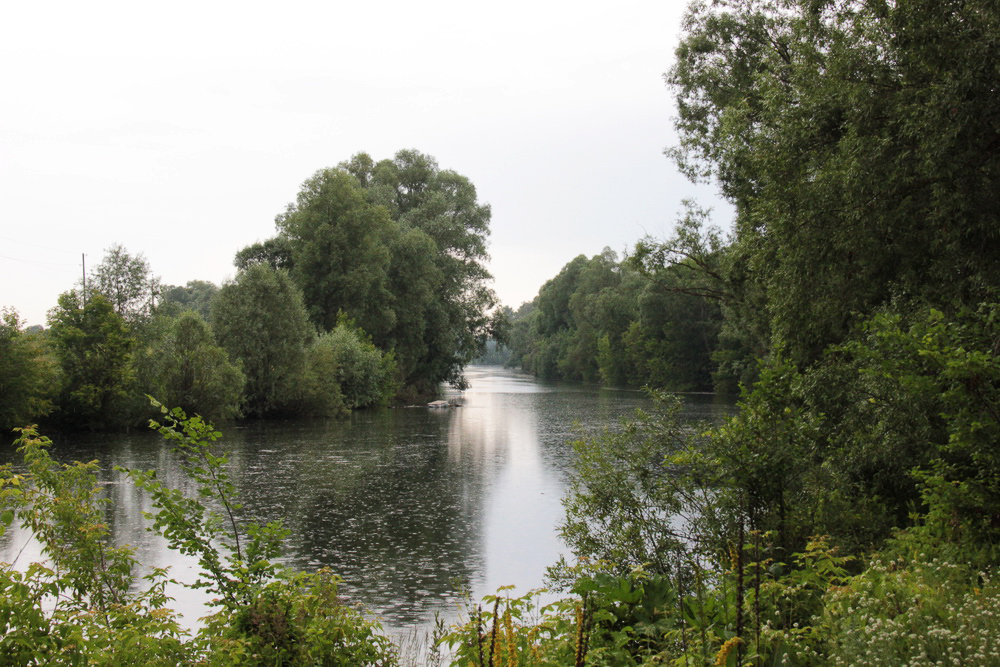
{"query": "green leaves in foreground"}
pixel 83 605
pixel 79 606
pixel 192 528
pixel 623 505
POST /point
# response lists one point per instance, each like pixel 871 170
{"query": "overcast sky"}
pixel 180 129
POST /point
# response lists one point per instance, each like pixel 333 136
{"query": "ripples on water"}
pixel 411 506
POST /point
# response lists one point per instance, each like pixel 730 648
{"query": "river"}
pixel 411 506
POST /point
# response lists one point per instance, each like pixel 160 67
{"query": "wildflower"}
pixel 723 655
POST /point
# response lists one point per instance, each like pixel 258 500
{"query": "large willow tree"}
pixel 398 247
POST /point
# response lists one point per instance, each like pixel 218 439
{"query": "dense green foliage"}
pixel 27 374
pixel 638 322
pixel 910 606
pixel 95 348
pixel 365 376
pixel 397 246
pixel 339 252
pixel 257 356
pixel 858 298
pixel 191 370
pixel 345 371
pixel 858 142
pixel 260 320
pixel 196 295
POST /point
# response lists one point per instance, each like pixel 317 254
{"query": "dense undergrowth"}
pixel 909 605
pixel 847 515
pixel 846 523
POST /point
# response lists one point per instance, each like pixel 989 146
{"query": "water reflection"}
pixel 411 506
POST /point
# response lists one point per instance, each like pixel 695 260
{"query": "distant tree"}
pixel 194 373
pixel 399 247
pixel 339 249
pixel 275 252
pixel 27 375
pixel 648 321
pixel 196 295
pixel 577 322
pixel 681 310
pixel 444 205
pixel 674 339
pixel 554 296
pixel 416 285
pixel 346 371
pixel 599 307
pixel 613 311
pixel 521 334
pixel 94 346
pixel 261 322
pixel 127 282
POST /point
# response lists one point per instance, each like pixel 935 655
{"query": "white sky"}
pixel 180 129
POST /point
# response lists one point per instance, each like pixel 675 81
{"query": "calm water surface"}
pixel 411 506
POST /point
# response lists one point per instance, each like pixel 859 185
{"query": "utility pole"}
pixel 83 259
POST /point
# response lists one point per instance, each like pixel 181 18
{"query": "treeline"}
pixel 630 322
pixel 858 143
pixel 864 190
pixel 850 512
pixel 373 289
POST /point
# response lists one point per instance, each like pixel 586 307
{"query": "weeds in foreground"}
pixel 81 606
pixel 907 607
pixel 914 603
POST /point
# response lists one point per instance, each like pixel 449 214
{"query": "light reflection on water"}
pixel 411 506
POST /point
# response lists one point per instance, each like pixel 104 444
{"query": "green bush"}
pixel 27 374
pixel 79 606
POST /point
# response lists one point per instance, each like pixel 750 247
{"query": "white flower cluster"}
pixel 918 613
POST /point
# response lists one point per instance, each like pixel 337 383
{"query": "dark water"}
pixel 411 506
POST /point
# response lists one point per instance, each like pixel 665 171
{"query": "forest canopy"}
pixel 858 143
pixel 374 288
